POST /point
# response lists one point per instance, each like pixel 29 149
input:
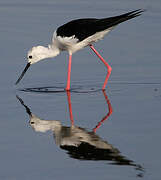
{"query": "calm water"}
pixel 120 128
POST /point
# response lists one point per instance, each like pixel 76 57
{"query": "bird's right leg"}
pixel 70 108
pixel 108 114
pixel 109 68
pixel 69 73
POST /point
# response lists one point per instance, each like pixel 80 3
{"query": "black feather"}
pixel 83 28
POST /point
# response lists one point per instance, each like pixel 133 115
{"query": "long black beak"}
pixel 26 68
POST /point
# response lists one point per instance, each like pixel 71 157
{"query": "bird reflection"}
pixel 77 141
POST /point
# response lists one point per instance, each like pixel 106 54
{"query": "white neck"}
pixel 51 51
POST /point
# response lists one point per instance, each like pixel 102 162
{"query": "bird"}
pixel 75 35
pixel 79 142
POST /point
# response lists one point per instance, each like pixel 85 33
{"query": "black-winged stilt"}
pixel 76 35
pixel 79 142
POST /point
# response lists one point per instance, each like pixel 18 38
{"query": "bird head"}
pixel 36 54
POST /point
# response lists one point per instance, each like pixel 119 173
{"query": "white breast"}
pixel 72 44
pixel 64 43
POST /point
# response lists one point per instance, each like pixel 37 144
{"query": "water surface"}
pixel 125 119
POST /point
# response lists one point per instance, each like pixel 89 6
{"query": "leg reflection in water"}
pixel 77 141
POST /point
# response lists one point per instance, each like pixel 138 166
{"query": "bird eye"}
pixel 30 57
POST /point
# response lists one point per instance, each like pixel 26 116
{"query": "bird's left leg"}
pixel 69 72
pixel 109 68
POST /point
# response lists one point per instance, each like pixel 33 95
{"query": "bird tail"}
pixel 130 15
pixel 113 21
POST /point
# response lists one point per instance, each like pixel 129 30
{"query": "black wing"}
pixel 83 28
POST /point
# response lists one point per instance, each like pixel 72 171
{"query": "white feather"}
pixel 72 44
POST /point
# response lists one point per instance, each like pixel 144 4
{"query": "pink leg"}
pixel 69 72
pixel 108 114
pixel 70 108
pixel 109 69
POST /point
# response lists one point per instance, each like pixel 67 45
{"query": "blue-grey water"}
pixel 35 126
